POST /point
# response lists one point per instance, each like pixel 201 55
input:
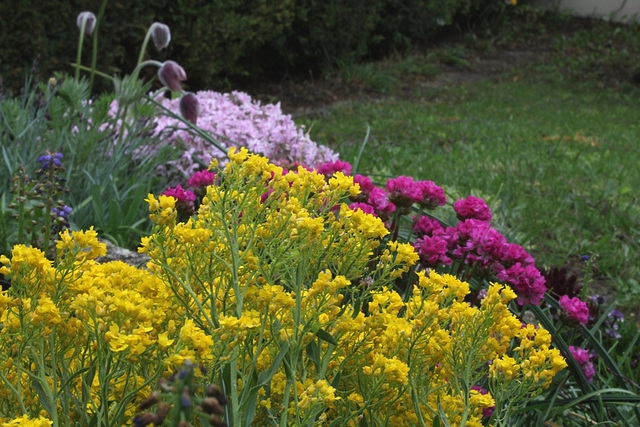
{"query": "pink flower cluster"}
pixel 184 199
pixel 583 358
pixel 485 250
pixel 403 192
pixel 574 309
pixel 472 208
pixel 235 119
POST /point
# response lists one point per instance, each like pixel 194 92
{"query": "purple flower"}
pixel 47 159
pixel 472 207
pixel 583 358
pixel 89 20
pixel 160 34
pixel 62 212
pixel 190 107
pixel 172 75
pixel 329 168
pixel 575 309
pixel 432 195
pixel 404 191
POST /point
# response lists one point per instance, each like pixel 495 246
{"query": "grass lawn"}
pixel 555 156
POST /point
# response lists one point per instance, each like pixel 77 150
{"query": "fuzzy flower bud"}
pixel 90 22
pixel 160 35
pixel 171 75
pixel 190 107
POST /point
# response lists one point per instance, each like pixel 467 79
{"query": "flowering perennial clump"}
pixel 284 295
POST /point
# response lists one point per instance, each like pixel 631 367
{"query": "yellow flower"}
pixel 25 421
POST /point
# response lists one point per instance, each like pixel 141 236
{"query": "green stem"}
pixel 80 43
pixel 144 46
pixel 94 53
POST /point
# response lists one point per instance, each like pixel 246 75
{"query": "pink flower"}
pixel 527 282
pixel 432 250
pixel 172 75
pixel 426 226
pixel 201 179
pixel 486 412
pixel 404 191
pixel 366 185
pixel 472 207
pixel 432 195
pixel 184 200
pixel 381 204
pixel 575 309
pixel 583 358
pixel 364 207
pixel 329 168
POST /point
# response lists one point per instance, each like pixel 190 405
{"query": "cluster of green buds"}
pixel 179 400
pixel 170 73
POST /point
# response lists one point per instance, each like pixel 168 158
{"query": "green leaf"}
pixel 44 397
pixel 326 336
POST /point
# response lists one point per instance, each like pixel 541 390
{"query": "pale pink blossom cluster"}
pixel 235 119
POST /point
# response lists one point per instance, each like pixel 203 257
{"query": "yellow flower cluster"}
pixel 277 284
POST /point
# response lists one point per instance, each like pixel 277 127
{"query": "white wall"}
pixel 616 10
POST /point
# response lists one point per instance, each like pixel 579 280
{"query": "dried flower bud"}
pixel 190 107
pixel 90 22
pixel 142 420
pixel 161 413
pixel 165 386
pixel 215 421
pixel 214 391
pixel 210 405
pixel 149 401
pixel 160 35
pixel 171 75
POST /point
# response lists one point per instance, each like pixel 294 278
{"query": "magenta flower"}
pixel 526 281
pixel 172 75
pixel 583 358
pixel 366 185
pixel 432 250
pixel 190 107
pixel 432 195
pixel 404 191
pixel 364 207
pixel 329 168
pixel 184 200
pixel 472 207
pixel 379 200
pixel 486 412
pixel 426 226
pixel 575 309
pixel 201 179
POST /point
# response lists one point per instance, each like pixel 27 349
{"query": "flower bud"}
pixel 160 35
pixel 190 107
pixel 210 405
pixel 171 75
pixel 90 20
